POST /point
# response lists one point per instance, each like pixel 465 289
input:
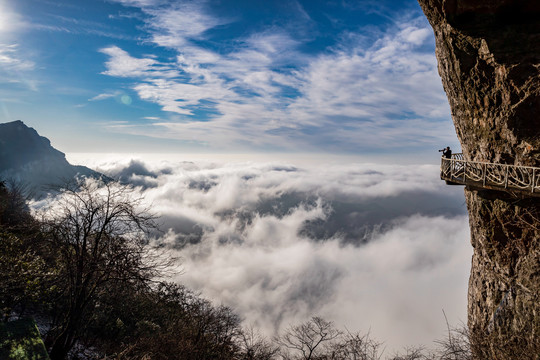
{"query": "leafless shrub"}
pixel 255 346
pixel 355 346
pixel 319 339
pixel 309 340
pixel 456 346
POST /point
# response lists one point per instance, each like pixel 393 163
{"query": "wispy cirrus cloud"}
pixel 121 64
pixel 383 82
pixel 263 91
pixel 104 96
pixel 175 25
pixel 15 68
pixel 11 60
pixel 140 3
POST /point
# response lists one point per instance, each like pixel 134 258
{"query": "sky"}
pixel 320 77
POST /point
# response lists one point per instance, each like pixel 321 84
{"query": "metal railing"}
pixel 494 176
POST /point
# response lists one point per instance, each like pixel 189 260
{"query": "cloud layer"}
pixel 368 246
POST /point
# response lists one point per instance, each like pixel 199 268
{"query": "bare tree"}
pixel 413 353
pixel 308 340
pixel 100 231
pixel 354 346
pixel 457 345
pixel 255 347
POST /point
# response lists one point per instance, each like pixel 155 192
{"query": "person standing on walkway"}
pixel 447 153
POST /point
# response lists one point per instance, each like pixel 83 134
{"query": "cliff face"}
pixel 488 53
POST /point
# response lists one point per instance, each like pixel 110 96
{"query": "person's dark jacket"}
pixel 447 153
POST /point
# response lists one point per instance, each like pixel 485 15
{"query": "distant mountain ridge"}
pixel 29 158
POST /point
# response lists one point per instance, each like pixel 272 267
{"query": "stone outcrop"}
pixel 488 53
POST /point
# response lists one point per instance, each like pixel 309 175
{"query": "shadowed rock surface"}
pixel 488 53
pixel 29 159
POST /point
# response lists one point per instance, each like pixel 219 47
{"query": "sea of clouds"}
pixel 379 248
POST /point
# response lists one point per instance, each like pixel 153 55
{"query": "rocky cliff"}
pixel 29 159
pixel 488 53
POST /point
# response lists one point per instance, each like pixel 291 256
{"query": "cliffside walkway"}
pixel 521 179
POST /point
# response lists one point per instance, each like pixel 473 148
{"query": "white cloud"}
pixel 139 3
pixel 15 68
pixel 368 246
pixel 177 97
pixel 175 25
pixel 11 61
pixel 384 95
pixel 123 65
pixel 378 85
pixel 396 285
pixel 104 96
pixel 416 36
pixel 375 91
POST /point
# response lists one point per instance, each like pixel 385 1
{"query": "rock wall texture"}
pixel 488 53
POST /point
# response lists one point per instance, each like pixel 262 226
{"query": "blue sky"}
pixel 339 77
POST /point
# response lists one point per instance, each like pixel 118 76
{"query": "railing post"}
pixel 464 171
pixel 444 166
pixel 452 164
pixel 506 177
pixel 533 180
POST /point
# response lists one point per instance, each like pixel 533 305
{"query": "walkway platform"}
pixel 511 178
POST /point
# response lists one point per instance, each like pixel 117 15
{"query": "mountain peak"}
pixel 28 157
pixel 16 122
pixel 20 144
pixel 15 125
